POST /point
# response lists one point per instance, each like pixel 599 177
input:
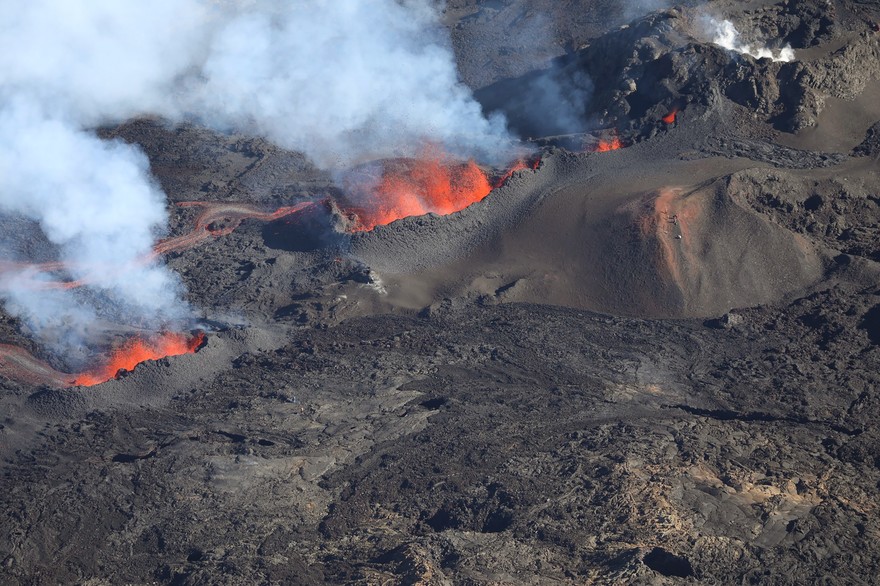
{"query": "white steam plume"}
pixel 344 81
pixel 726 35
pixel 339 81
pixel 66 66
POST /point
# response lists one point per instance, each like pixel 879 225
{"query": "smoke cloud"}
pixel 65 67
pixel 726 35
pixel 549 103
pixel 342 82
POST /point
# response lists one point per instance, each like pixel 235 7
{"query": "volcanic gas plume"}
pixel 341 82
pixel 725 34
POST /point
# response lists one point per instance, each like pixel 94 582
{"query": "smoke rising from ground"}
pixel 340 81
pixel 65 67
pixel 344 81
pixel 725 34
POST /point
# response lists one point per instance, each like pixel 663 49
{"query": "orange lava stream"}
pixel 136 351
pixel 670 118
pixel 218 219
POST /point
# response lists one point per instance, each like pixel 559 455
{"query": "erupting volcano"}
pixel 417 187
pixel 134 352
pixel 346 292
pixel 608 144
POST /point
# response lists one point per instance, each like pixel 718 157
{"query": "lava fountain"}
pixel 608 144
pixel 415 187
pixel 138 350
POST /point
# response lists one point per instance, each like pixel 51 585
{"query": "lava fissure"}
pixel 612 143
pixel 417 187
pixel 405 188
pixel 134 352
pixel 18 364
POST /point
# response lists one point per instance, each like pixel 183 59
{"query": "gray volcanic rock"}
pixel 665 62
pixel 870 147
pixel 445 449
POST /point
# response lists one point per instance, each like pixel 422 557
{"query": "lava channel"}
pixel 218 219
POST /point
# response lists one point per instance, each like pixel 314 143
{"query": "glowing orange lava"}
pixel 670 118
pixel 133 352
pixel 421 187
pixel 611 144
pixel 415 187
pixel 517 166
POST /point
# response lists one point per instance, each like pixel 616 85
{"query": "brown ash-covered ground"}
pixel 656 365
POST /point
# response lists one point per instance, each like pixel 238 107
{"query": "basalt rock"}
pixel 664 62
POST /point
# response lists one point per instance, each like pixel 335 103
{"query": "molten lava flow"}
pixel 220 219
pixel 415 187
pixel 20 365
pixel 420 187
pixel 606 145
pixel 517 166
pixel 136 351
pixel 670 118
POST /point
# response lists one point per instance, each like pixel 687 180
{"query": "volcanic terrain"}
pixel 645 351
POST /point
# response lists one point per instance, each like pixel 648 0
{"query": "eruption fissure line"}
pixel 430 186
pixel 136 351
pixel 19 364
pixel 418 187
pixel 424 186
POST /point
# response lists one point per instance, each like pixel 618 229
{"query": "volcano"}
pixel 637 341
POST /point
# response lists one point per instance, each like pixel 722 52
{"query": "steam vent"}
pixel 439 292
